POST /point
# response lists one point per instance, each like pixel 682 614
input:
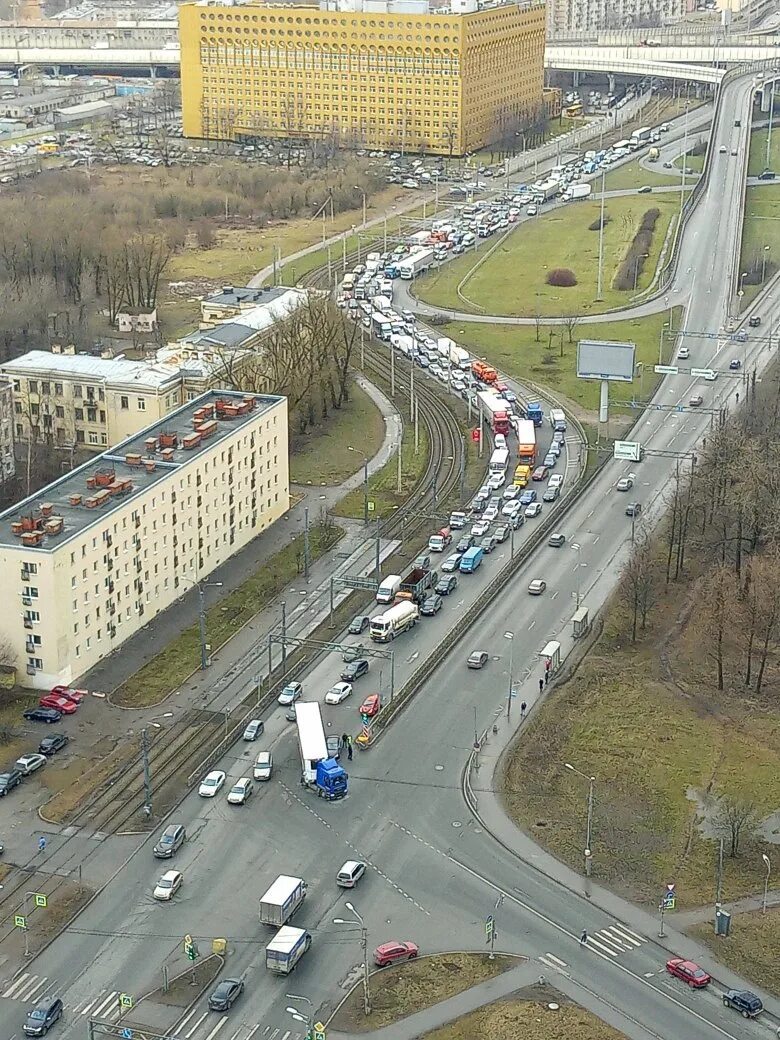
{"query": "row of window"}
pixel 92 437
pixel 44 386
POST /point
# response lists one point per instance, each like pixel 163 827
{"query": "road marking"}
pixel 88 1007
pixel 595 942
pixel 554 595
pixel 192 1030
pixel 532 625
pixel 252 1032
pixel 32 993
pixel 185 1020
pixel 625 936
pixel 550 957
pixel 217 1027
pixel 612 942
pixel 286 1035
pixel 16 985
pixel 105 1003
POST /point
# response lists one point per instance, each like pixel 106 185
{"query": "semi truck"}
pixel 417 583
pixel 495 410
pixel 318 771
pixel 576 191
pixel 394 622
pixel 499 460
pixel 451 352
pixel 526 442
pixel 654 154
pixel 548 189
pixel 285 949
pixel 642 134
pixel 533 411
pixel 281 900
pixel 415 263
pixel 381 304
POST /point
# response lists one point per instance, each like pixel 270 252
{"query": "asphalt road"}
pixel 434 872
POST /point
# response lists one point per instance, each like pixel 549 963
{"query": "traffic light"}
pixel 190 948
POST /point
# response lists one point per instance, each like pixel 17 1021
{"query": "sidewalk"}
pixel 113 670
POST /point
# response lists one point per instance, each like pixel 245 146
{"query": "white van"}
pixel 388 587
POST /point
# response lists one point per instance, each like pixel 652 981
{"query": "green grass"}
pixel 383 486
pixel 324 457
pixel 757 156
pixel 512 280
pixel 750 949
pixel 169 669
pixel 692 162
pixel 528 1019
pixel 761 228
pixel 632 175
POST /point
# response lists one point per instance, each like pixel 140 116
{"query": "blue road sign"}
pixel 127 1034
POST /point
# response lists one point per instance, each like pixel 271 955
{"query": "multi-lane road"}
pixel 434 871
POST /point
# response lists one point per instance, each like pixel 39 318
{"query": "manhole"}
pixel 553 1007
pixel 439 769
pixel 456 823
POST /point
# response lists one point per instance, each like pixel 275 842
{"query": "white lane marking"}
pixel 606 949
pixel 252 1032
pixel 217 1027
pixel 105 1003
pixel 286 1035
pixel 186 1019
pixel 554 595
pixel 629 934
pixel 550 957
pixel 611 941
pixel 532 625
pixel 11 991
pixel 193 1028
pixel 88 1007
pixel 623 934
pixel 33 992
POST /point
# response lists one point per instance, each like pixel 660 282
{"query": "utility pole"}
pixel 599 294
pixel 462 467
pixel 202 626
pixel 147 772
pixel 769 130
pixel 306 543
pixel 284 637
pixel 365 491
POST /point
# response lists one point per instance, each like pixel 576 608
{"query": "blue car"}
pixel 527 497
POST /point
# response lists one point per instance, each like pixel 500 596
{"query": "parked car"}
pixel 477 659
pixel 688 971
pixel 47 715
pixel 292 692
pixel 170 841
pixel 28 764
pixel 748 1004
pixel 61 704
pixel 254 729
pixel 52 744
pixel 393 952
pixel 352 671
pixel 77 696
pixel 9 780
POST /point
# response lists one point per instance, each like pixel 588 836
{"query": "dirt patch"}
pixel 529 1019
pixel 80 784
pixel 415 986
pixel 751 949
pixel 189 985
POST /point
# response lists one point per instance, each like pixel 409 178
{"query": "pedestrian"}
pixel 541 685
pixel 737 396
pixel 349 751
pixel 546 677
pixel 345 739
pixel 583 937
pixel 523 708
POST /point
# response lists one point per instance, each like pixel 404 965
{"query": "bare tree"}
pixel 570 323
pixel 733 816
pixel 637 584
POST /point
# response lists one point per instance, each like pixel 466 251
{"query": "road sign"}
pixel 475 436
pixel 666 370
pixel 628 451
pixel 319 1031
pixel 20 921
pixel 489 926
pixel 706 372
pixel 371 506
pixel 127 1034
pixel 190 947
pixel 670 897
pixel 40 899
pixel 365 719
pixel 125 1000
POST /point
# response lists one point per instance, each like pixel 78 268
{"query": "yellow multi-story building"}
pixel 381 74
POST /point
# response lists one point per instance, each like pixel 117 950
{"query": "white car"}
pixel 240 792
pixel 537 587
pixel 212 784
pixel 458 520
pixel 683 354
pixel 480 528
pixel 533 510
pixel 497 480
pixel 555 481
pixel 263 767
pixel 28 764
pixel 168 885
pixel 490 513
pixel 338 693
pixel 511 508
pixel 711 376
pixel 290 694
pixel 511 491
pixel 625 483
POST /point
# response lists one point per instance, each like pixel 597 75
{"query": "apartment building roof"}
pixel 121 371
pixel 228 334
pixel 88 495
pixel 241 296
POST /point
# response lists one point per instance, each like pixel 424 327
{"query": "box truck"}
pixel 417 262
pixel 388 588
pixel 285 949
pixel 495 410
pixel 282 900
pixel 471 559
pixel 576 191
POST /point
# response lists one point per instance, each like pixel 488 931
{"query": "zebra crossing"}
pixel 612 941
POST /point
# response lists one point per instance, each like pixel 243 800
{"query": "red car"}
pixel 540 473
pixel 77 696
pixel 371 705
pixel 688 972
pixel 52 700
pixel 391 952
pixel 500 386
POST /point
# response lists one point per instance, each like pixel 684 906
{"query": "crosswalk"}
pixel 612 941
pixel 198 1024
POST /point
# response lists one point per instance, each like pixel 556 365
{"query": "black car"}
pixel 226 994
pixel 9 780
pixel 354 670
pixel 446 584
pixel 48 715
pixel 334 745
pixel 171 840
pixel 747 1003
pixel 431 605
pixel 43 1016
pixel 51 745
pixel 358 624
pixel 633 509
pixel 501 533
pixel 488 544
pixel 464 544
pixel 754 322
pixel 290 715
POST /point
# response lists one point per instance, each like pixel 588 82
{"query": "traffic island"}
pixel 415 986
pixel 162 1008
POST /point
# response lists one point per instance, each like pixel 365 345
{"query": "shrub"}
pixel 562 277
pixel 634 261
pixel 596 225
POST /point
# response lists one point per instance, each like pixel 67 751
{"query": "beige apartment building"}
pixel 93 557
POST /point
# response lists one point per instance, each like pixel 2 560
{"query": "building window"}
pixel 33 386
pixel 93 438
pixel 141 404
pixel 58 389
pixel 59 411
pixel 35 662
pixel 45 388
pixel 124 402
pixel 79 414
pixel 79 436
pixel 77 390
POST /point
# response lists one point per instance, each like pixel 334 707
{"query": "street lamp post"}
pixel 365 484
pixel 358 188
pixel 578 547
pixel 200 586
pixel 768 865
pixel 764 260
pixel 301 1016
pixel 589 828
pixel 364 948
pixel 511 637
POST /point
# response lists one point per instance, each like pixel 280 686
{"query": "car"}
pixel 431 605
pixel 555 449
pixel 735 364
pixel 338 693
pixel 491 512
pixel 550 459
pixel 695 401
pixel 644 190
pixel 741 336
pixel 264 766
pixel 334 745
pixel 533 510
pixel 42 1016
pixel 633 509
pixel 767 175
pixel 512 508
pixel 497 480
pixel 371 705
pixel 723 149
pixel 733 151
pixel 537 587
pixel 463 545
pixel 559 437
pixel 290 715
pixel 47 715
pixel 477 659
pixel 52 744
pixel 212 783
pixel 688 971
pixel 241 791
pixel 532 210
pixel 352 671
pixel 393 952
pixel 9 780
pixel 683 354
pixel 254 729
pixel 458 521
pixel 77 696
pixel 292 692
pixel 350 873
pixel 710 375
pixel 754 322
pixel 527 497
pixel 551 493
pixel 452 562
pixel 748 1004
pixel 668 165
pixel 170 841
pixel 60 704
pixel 511 491
pixel 488 544
pixel 30 763
pixel 556 540
pixel 625 483
pixel 226 994
pixel 446 585
pixel 168 885
pixel 358 624
pixel 480 528
pixel 540 473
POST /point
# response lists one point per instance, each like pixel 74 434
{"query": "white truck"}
pixel 415 263
pixel 283 897
pixel 558 419
pixel 394 622
pixel 419 238
pixel 499 460
pixel 577 191
pixel 450 351
pixel 642 135
pixel 285 949
pixel 381 304
pixel 388 588
pixel 549 189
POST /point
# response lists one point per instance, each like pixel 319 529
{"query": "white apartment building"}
pixel 93 557
pixel 567 18
pixel 7 460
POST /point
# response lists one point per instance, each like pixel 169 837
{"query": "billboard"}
pixel 628 451
pixel 604 359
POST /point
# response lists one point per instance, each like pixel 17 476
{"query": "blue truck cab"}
pixel 471 559
pixel 533 411
pixel 331 781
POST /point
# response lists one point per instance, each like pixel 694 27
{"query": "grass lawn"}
pixel 761 228
pixel 414 986
pixel 514 350
pixel 323 457
pixel 657 737
pixel 751 949
pixel 529 1019
pixel 693 162
pixel 632 175
pixel 512 280
pixel 158 677
pixel 383 486
pixel 757 157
